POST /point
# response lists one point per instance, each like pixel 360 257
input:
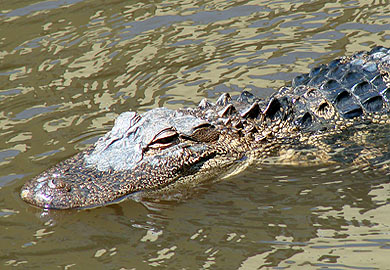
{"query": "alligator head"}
pixel 142 153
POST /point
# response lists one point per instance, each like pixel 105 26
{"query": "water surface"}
pixel 69 67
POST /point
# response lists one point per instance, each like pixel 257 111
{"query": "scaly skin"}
pixel 162 149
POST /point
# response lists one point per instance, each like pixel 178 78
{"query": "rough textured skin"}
pixel 163 148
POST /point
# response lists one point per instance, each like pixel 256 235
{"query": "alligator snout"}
pixel 47 191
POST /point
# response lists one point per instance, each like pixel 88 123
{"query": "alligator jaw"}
pixel 72 184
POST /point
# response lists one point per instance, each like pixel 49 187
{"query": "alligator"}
pixel 163 149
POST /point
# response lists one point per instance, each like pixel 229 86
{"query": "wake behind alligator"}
pixel 322 114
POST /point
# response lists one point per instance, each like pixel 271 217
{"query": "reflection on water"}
pixel 69 67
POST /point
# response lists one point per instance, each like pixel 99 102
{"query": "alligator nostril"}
pixel 56 184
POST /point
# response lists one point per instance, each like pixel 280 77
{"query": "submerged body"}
pixel 161 148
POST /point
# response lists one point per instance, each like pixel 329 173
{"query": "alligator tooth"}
pixel 224 99
pixel 252 112
pixel 204 103
pixel 228 110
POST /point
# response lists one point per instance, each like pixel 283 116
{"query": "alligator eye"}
pixel 204 133
pixel 164 139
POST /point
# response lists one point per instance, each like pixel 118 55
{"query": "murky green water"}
pixel 69 67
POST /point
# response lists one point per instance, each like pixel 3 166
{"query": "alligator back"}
pixel 346 88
